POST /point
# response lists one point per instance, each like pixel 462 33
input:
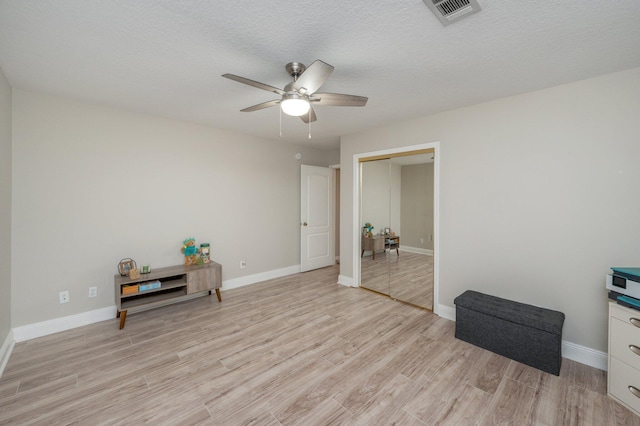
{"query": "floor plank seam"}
pixel 333 397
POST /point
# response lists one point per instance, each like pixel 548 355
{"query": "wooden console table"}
pixel 177 283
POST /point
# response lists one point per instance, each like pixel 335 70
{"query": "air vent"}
pixel 449 11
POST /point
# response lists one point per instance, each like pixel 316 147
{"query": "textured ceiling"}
pixel 166 57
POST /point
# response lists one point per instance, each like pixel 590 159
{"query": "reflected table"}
pixel 380 242
pixel 392 242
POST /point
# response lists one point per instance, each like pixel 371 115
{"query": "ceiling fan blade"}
pixel 309 117
pixel 261 106
pixel 254 83
pixel 313 77
pixel 338 99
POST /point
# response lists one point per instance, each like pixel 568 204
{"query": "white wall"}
pixel 94 184
pixel 539 195
pixel 5 209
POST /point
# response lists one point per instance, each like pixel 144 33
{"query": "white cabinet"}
pixel 623 379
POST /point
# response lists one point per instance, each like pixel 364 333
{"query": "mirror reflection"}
pixel 397 228
pixel 375 208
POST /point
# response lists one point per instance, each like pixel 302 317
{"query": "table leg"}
pixel 123 318
pixel 218 294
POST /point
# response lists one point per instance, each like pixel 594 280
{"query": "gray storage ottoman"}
pixel 524 333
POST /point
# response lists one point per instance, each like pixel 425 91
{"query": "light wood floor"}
pixel 407 277
pixel 296 350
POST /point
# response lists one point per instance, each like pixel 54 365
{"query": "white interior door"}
pixel 317 248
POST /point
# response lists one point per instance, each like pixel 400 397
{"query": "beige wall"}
pixel 5 208
pixel 93 185
pixel 538 195
pixel 417 206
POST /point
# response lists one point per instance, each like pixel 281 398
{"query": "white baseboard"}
pixel 44 328
pixel 5 351
pixel 446 312
pixel 572 351
pixel 417 250
pixel 256 278
pixel 346 281
pixel 584 355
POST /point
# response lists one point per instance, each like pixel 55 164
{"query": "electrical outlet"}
pixel 243 264
pixel 421 240
pixel 93 291
pixel 64 296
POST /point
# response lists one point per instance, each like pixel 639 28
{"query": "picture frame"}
pixel 125 266
pixel 387 231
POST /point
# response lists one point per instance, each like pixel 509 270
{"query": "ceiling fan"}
pixel 298 96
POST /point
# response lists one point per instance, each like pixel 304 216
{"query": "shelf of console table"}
pixel 177 283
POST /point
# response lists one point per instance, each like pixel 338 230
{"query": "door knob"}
pixel 304 223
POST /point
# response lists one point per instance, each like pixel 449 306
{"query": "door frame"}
pixel 357 186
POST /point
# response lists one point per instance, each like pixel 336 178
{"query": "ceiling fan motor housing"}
pixel 295 69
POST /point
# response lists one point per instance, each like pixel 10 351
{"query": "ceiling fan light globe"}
pixel 295 106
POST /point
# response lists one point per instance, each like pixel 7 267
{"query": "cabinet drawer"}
pixel 627 315
pixel 624 339
pixel 621 377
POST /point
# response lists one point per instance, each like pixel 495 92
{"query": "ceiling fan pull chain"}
pixel 309 123
pixel 280 122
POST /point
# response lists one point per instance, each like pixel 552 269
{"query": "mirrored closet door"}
pixel 396 217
